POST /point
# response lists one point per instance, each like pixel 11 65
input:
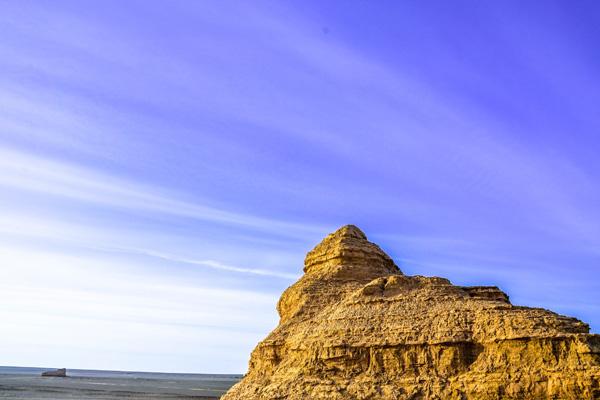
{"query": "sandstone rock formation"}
pixel 355 327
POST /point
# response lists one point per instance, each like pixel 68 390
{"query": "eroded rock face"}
pixel 355 327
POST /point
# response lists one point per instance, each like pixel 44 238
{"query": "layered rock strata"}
pixel 355 327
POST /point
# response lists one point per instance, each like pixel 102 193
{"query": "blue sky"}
pixel 164 167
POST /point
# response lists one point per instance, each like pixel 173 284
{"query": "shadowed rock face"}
pixel 355 327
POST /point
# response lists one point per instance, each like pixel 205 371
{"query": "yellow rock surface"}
pixel 355 327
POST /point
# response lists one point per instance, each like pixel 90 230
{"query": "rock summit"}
pixel 355 327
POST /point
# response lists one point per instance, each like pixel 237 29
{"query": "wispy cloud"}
pixel 227 139
pixel 206 263
pixel 44 176
pixel 76 298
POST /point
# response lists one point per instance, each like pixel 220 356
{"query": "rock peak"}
pixel 343 259
pixel 348 246
pixel 350 231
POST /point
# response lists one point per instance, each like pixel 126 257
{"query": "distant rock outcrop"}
pixel 355 327
pixel 61 373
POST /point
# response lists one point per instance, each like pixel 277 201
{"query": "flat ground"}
pixel 97 386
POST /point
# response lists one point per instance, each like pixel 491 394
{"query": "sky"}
pixel 165 166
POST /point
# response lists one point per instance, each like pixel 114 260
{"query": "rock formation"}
pixel 355 327
pixel 60 373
